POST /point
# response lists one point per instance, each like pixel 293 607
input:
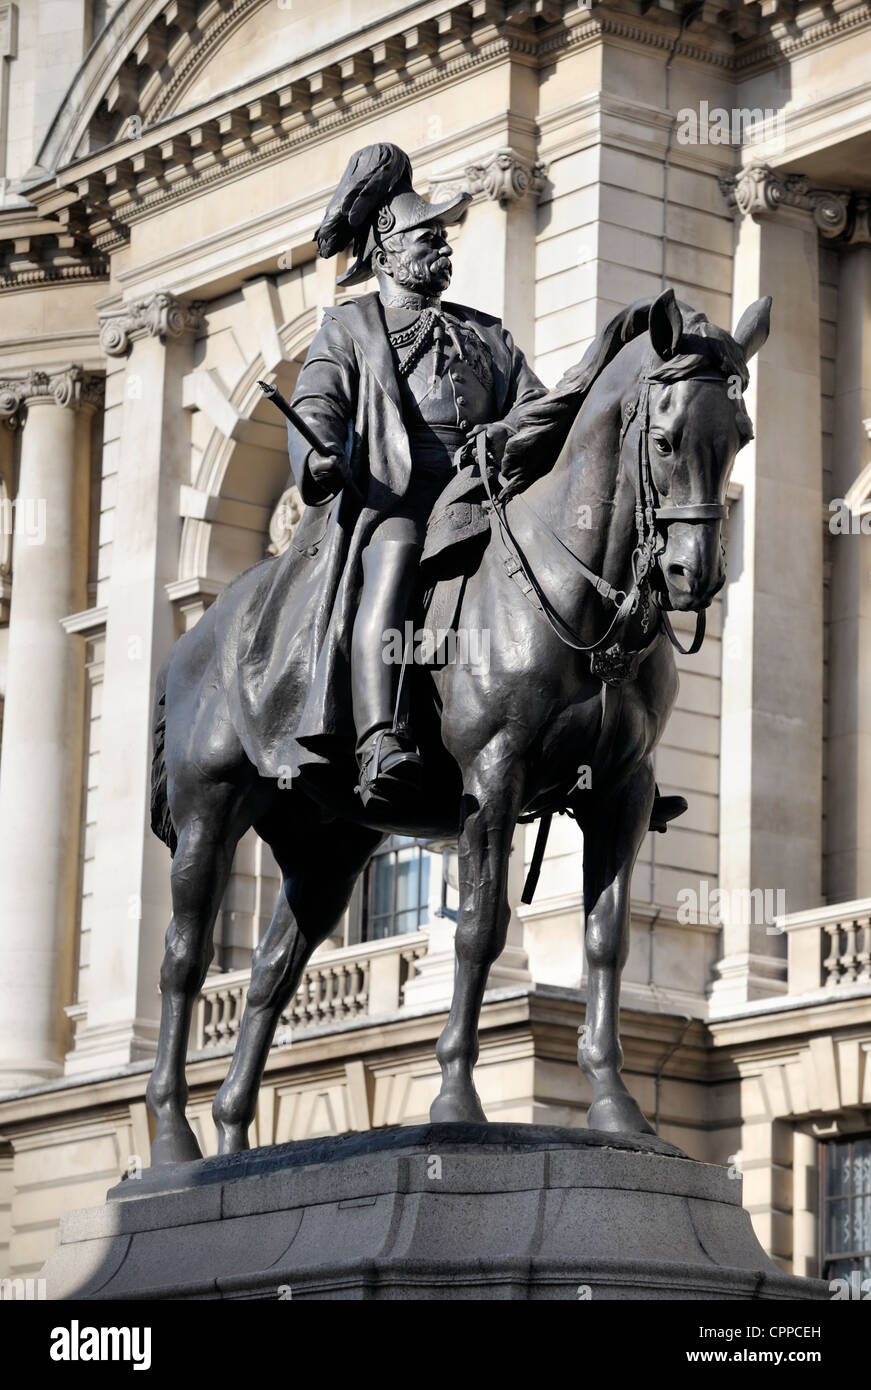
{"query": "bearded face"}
pixel 419 260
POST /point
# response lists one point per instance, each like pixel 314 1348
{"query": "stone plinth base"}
pixel 437 1211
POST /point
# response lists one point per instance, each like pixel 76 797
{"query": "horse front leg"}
pixel 491 804
pixel 612 839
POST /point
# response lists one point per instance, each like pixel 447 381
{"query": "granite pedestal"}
pixel 440 1211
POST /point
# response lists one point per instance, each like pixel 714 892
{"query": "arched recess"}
pixel 243 472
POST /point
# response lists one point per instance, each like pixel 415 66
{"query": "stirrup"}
pixel 385 777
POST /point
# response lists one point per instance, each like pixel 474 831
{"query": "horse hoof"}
pixel 455 1107
pixel 178 1145
pixel 232 1139
pixel 617 1115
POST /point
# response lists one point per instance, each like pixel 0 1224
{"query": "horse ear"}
pixel 754 326
pixel 666 325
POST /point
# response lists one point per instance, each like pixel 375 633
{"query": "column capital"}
pixel 64 386
pixel 503 176
pixel 759 190
pixel 157 315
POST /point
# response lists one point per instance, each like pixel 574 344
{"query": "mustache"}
pixel 412 271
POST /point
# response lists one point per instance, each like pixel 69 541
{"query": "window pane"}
pixel 398 895
pixel 424 887
pixel 382 885
pixel 379 927
pixel 861 1223
pixel 862 1165
pixel 837 1169
pixel 838 1226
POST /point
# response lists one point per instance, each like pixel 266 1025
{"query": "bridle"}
pixel 648 515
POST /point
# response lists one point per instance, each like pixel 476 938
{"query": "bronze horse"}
pixel 581 674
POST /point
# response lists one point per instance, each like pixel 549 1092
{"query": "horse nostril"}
pixel 678 575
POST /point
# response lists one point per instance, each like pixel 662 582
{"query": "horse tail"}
pixel 161 819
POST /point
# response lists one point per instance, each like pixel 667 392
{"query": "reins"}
pixel 648 514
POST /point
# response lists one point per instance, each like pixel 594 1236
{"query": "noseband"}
pixel 648 515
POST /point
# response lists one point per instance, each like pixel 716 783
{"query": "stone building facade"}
pixel 164 164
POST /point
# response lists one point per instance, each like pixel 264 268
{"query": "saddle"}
pixel 458 528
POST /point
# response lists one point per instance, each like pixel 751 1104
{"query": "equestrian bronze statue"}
pixel 446 490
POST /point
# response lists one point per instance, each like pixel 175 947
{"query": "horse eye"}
pixel 662 445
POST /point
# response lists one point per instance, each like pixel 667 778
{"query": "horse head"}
pixel 690 422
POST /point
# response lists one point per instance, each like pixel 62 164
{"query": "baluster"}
pixel 332 997
pixel 848 955
pixel 209 1039
pixel 314 1002
pixel 863 954
pixel 316 996
pixel 831 963
pixel 221 1024
pixel 341 985
pixel 297 1005
pixel 235 1011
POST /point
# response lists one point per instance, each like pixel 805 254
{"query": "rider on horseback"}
pixel 450 370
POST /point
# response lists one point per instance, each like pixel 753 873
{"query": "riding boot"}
pixel 390 764
pixel 666 808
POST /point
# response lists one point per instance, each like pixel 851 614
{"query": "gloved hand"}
pixel 513 475
pixel 498 435
pixel 326 472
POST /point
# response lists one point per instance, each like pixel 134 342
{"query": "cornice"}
pixel 36 251
pixel 214 34
pixel 139 184
pixel 653 30
pixel 783 41
pixel 95 200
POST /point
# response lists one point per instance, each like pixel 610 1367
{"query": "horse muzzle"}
pixel 692 565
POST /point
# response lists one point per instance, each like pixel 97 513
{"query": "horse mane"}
pixel 552 415
pixel 547 421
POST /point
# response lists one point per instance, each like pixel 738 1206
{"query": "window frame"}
pixel 826 1257
pixel 361 925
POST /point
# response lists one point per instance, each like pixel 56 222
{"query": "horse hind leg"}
pixel 200 870
pixel 319 868
pixel 612 839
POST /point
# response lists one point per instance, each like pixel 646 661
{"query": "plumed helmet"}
pixel 375 200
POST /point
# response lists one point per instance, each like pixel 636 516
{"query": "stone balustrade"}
pixel 367 980
pixel 829 947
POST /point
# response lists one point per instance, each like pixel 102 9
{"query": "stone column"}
pixel 772 695
pixel 131 908
pixel 848 848
pixel 41 765
pixel 805 1204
